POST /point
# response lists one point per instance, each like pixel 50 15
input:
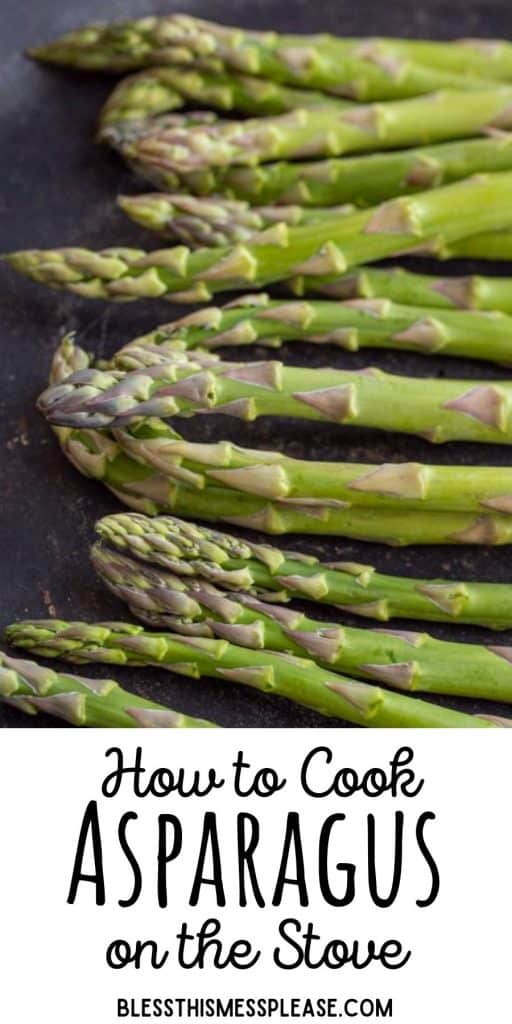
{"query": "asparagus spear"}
pixel 396 486
pixel 472 291
pixel 139 484
pixel 437 409
pixel 99 703
pixel 190 550
pixel 403 660
pixel 159 90
pixel 365 180
pixel 199 221
pixel 161 149
pixel 145 489
pixel 157 471
pixel 298 679
pixel 351 325
pixel 215 220
pixel 385 526
pixel 320 62
pixel 425 222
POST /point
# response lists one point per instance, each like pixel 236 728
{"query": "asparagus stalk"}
pixel 385 526
pixel 215 220
pixel 199 221
pixel 359 323
pixel 162 149
pixel 320 62
pixel 438 409
pixel 428 222
pixel 160 90
pixel 189 550
pixel 298 679
pixel 98 703
pixel 340 485
pixel 156 471
pixel 472 291
pixel 364 180
pixel 116 47
pixel 146 489
pixel 403 660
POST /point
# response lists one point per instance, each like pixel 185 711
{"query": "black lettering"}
pixel 90 822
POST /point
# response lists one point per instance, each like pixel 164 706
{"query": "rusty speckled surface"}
pixel 58 188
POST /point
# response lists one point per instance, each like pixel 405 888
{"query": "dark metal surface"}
pixel 58 188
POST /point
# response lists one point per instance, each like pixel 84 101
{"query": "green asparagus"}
pixel 167 383
pixel 189 550
pixel 157 471
pixel 472 291
pixel 215 220
pixel 351 325
pixel 199 221
pixel 99 703
pixel 165 152
pixel 291 482
pixel 159 90
pixel 364 180
pixel 286 675
pixel 423 223
pixel 321 62
pixel 144 488
pixel 403 660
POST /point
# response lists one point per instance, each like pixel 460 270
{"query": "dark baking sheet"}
pixel 58 188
